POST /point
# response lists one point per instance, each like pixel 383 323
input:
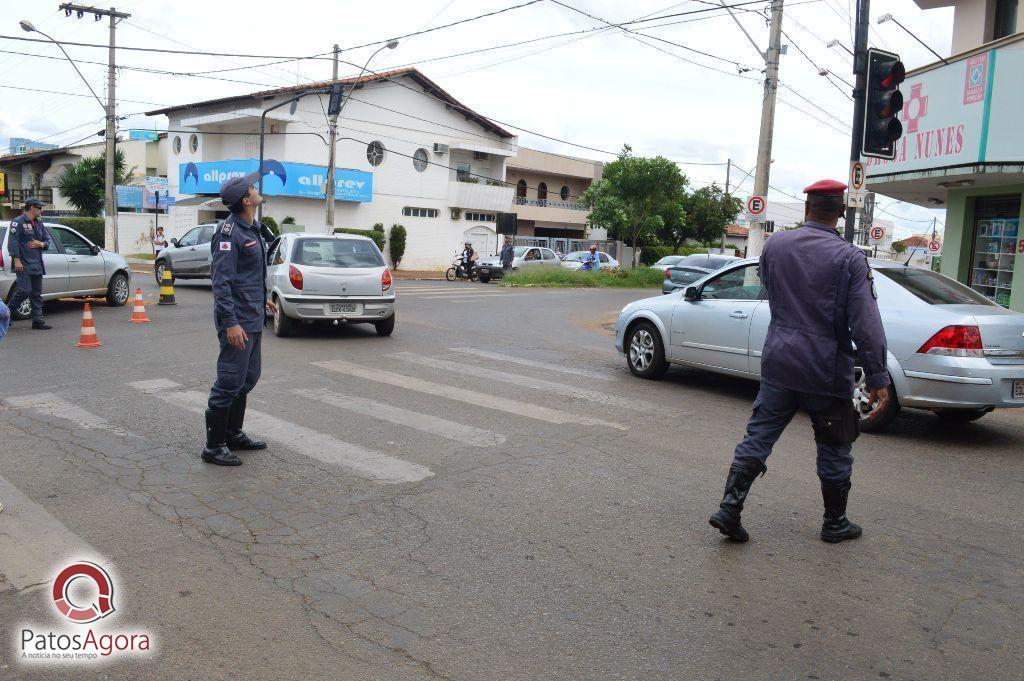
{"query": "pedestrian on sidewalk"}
pixel 508 254
pixel 821 295
pixel 159 241
pixel 27 242
pixel 240 309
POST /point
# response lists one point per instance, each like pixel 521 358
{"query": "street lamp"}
pixel 837 43
pixel 889 17
pixel 29 28
pixel 333 129
pixel 294 101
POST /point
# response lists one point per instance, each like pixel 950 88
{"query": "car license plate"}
pixel 343 308
pixel 485 270
pixel 1018 389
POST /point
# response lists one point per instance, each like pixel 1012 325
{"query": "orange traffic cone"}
pixel 88 339
pixel 139 311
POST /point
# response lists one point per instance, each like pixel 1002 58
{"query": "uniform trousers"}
pixel 29 286
pixel 237 370
pixel 774 408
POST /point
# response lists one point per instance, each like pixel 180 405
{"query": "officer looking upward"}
pixel 240 305
pixel 26 244
pixel 821 296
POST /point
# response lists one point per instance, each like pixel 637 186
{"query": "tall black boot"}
pixel 836 527
pixel 216 450
pixel 237 439
pixel 737 485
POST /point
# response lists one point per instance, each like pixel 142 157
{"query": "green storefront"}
pixel 963 149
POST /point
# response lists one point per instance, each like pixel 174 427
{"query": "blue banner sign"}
pixel 148 135
pixel 279 179
pixel 129 196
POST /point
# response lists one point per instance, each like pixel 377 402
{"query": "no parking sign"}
pixel 756 206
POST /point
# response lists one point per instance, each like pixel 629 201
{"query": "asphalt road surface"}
pixel 487 494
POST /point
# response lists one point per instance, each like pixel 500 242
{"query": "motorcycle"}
pixel 460 269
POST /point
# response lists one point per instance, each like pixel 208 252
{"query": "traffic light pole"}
pixel 755 238
pixel 860 71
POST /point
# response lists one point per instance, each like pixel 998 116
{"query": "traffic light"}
pixel 334 106
pixel 882 102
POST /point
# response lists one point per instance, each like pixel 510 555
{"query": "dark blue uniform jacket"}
pixel 22 231
pixel 239 276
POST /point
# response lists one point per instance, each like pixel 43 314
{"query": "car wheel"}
pixel 450 274
pixel 158 270
pixel 861 402
pixel 283 325
pixel 645 353
pixel 960 415
pixel 117 290
pixel 386 327
pixel 484 280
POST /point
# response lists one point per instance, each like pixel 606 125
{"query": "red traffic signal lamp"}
pixel 882 103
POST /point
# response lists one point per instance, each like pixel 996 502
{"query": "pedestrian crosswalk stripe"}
pixel 52 405
pixel 364 462
pixel 426 423
pixel 562 389
pixel 33 543
pixel 459 394
pixel 473 299
pixel 537 364
pixel 456 292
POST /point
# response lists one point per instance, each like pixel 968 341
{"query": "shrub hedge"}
pixel 377 236
pixel 91 228
pixel 396 243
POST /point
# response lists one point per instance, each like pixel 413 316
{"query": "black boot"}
pixel 836 527
pixel 216 450
pixel 237 439
pixel 727 518
pixel 41 325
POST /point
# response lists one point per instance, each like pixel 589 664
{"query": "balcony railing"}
pixel 549 203
pixel 17 197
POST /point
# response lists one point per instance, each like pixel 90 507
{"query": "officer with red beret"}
pixel 822 301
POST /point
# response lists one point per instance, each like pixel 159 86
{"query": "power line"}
pixel 817 68
pixel 74 94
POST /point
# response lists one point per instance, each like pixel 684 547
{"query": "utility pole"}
pixel 332 138
pixel 728 169
pixel 860 71
pixel 109 191
pixel 755 238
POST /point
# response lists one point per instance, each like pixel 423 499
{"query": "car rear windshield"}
pixel 685 275
pixel 711 262
pixel 329 252
pixel 932 287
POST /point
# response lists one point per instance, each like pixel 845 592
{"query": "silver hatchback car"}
pixel 951 350
pixel 75 267
pixel 333 278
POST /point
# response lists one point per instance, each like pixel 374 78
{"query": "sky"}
pixel 669 86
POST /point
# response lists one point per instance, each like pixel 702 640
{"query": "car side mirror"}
pixel 95 250
pixel 691 293
pixel 174 242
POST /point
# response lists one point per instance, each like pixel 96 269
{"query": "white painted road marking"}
pixel 52 405
pixel 460 394
pixel 562 389
pixel 33 543
pixel 404 417
pixel 365 462
pixel 549 366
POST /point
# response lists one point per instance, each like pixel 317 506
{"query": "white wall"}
pixel 431 242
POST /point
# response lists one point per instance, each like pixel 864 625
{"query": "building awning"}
pixel 202 201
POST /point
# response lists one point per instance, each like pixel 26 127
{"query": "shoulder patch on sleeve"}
pixel 226 229
pixel 225 245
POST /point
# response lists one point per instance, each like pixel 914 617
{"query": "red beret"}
pixel 826 188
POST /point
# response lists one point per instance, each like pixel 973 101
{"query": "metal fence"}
pixel 563 245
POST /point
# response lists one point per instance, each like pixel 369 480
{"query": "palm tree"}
pixel 82 183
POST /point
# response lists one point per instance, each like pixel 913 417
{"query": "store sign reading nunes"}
pixel 279 179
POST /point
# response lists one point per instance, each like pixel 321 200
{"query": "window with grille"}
pixel 375 153
pixel 415 212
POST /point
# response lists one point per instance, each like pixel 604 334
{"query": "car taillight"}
pixel 955 341
pixel 295 276
pixel 385 280
pixel 667 275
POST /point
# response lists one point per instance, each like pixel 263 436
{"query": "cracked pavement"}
pixel 563 552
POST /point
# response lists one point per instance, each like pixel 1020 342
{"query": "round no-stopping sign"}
pixel 756 205
pixel 934 246
pixel 877 233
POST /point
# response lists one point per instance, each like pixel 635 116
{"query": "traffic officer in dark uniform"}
pixel 26 244
pixel 822 300
pixel 240 305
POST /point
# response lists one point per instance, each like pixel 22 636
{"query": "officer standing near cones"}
pixel 26 243
pixel 240 306
pixel 822 299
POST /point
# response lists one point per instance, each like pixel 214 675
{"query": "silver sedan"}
pixel 951 350
pixel 332 278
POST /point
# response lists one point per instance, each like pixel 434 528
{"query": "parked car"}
pixel 667 261
pixel 188 257
pixel 523 257
pixel 75 267
pixel 693 267
pixel 951 350
pixel 329 278
pixel 575 260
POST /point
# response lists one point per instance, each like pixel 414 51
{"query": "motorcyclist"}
pixel 591 262
pixel 469 257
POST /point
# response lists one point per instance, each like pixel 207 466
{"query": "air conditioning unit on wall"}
pixel 440 148
pixel 456 213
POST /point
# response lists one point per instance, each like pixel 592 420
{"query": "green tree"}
pixel 82 183
pixel 898 247
pixel 634 197
pixel 709 210
pixel 396 243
